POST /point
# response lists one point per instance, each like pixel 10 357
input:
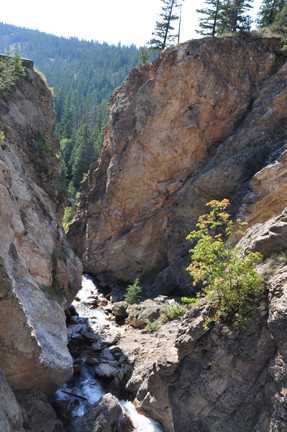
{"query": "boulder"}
pixel 119 309
pixel 106 372
pixel 138 314
pixel 103 416
pixel 38 414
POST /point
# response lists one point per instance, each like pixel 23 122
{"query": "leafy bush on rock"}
pixel 229 278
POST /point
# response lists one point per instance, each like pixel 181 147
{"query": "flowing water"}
pixel 86 385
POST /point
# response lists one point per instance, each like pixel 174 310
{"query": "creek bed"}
pixel 84 385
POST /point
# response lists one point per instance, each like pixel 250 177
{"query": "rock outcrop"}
pixel 37 266
pixel 106 415
pixel 197 124
pixel 227 378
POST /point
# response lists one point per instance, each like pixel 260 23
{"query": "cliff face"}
pixel 37 266
pixel 196 125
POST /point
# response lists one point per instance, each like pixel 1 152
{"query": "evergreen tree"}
pixel 80 162
pixel 144 55
pixel 280 24
pixel 268 11
pixel 162 32
pixel 233 17
pixel 209 23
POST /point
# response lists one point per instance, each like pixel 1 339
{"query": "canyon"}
pixel 206 120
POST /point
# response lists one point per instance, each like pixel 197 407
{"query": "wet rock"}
pixel 64 410
pixel 92 301
pixel 101 417
pixel 90 336
pixel 123 359
pixel 107 355
pixel 72 310
pixel 105 372
pixel 115 387
pixel 76 369
pixel 116 351
pixel 92 361
pixel 97 346
pixel 125 424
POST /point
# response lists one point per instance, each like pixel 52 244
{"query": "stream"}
pixel 85 384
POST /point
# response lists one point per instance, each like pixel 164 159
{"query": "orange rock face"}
pixel 190 127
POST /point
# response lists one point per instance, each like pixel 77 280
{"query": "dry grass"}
pixel 273 264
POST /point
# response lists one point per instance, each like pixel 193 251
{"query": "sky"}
pixel 111 21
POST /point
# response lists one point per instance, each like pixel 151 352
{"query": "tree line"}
pixel 217 18
pixel 82 74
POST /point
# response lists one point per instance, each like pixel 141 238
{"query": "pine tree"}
pixel 268 11
pixel 233 17
pixel 162 32
pixel 209 23
pixel 280 24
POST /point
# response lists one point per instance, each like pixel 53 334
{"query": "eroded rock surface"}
pixel 11 419
pixel 224 379
pixel 106 415
pixel 37 266
pixel 195 125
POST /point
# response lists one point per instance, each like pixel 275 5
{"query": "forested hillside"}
pixel 83 75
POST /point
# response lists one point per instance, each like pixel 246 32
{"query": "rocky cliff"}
pixel 202 122
pixel 38 269
pixel 207 120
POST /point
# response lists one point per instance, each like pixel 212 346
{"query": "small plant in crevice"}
pixel 54 292
pixel 133 293
pixel 230 281
pixel 170 312
pixel 69 214
pixel 272 264
pixel 191 301
pixel 151 325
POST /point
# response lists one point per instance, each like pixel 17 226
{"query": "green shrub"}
pixel 151 326
pixel 230 281
pixel 133 293
pixel 163 319
pixel 69 214
pixel 173 310
pixel 190 301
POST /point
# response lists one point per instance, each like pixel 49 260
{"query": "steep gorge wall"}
pixel 195 125
pixel 37 266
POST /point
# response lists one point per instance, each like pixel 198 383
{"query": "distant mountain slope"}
pixel 92 68
pixel 83 75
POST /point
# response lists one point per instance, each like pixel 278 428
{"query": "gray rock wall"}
pixel 38 269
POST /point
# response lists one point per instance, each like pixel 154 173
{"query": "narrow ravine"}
pixel 92 322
